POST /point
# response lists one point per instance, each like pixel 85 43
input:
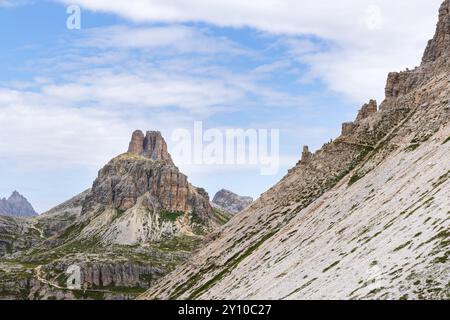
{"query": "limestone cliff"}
pixel 365 217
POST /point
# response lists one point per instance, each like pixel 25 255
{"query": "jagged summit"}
pixel 440 45
pixel 152 145
pixel 16 205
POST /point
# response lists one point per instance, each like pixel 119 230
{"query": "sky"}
pixel 70 98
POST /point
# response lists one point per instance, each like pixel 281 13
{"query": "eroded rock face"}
pixel 127 275
pixel 435 58
pixel 347 128
pixel 140 198
pixel 137 143
pixel 126 178
pixel 231 202
pixel 306 155
pixel 152 146
pixel 17 234
pixel 367 110
pixel 440 44
pixel 16 205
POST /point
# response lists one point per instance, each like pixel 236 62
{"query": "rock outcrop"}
pixel 440 45
pixel 152 146
pixel 140 188
pixel 365 218
pixel 17 234
pixel 146 169
pixel 17 206
pixel 230 201
pixel 367 110
pixel 306 155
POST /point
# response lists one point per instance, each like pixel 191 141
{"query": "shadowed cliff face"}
pixel 365 217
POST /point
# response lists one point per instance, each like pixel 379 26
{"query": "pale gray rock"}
pixel 231 202
pixel 16 205
pixel 365 218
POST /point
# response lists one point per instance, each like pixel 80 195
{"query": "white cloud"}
pixel 175 38
pixel 82 96
pixel 369 37
pixel 13 3
pixel 40 134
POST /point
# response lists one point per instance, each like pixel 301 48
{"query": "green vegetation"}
pixel 170 216
pixel 88 295
pixel 446 140
pixel 227 268
pixel 198 224
pixel 442 179
pixel 412 147
pixel 442 259
pixel 306 285
pixel 402 246
pixel 195 219
pixel 183 243
pixel 355 178
pixel 331 266
pixel 220 216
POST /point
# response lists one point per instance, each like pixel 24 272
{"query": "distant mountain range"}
pixel 17 206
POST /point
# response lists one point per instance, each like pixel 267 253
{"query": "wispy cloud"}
pixel 89 92
pixel 175 39
pixel 13 3
pixel 369 38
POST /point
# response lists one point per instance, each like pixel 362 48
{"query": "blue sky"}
pixel 70 99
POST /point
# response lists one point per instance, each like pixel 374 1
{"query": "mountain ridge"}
pixel 230 202
pixel 16 205
pixel 139 220
pixel 311 237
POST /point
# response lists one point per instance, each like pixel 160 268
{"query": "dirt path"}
pixel 39 275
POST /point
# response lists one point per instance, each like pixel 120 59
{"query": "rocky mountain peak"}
pixel 142 188
pixel 440 44
pixel 16 205
pixel 151 146
pixel 231 202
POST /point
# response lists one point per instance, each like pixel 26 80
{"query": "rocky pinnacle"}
pixel 440 44
pixel 16 205
pixel 151 146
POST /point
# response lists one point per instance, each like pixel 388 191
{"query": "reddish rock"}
pixel 152 146
pixel 147 168
pixel 137 143
pixel 347 128
pixel 367 110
